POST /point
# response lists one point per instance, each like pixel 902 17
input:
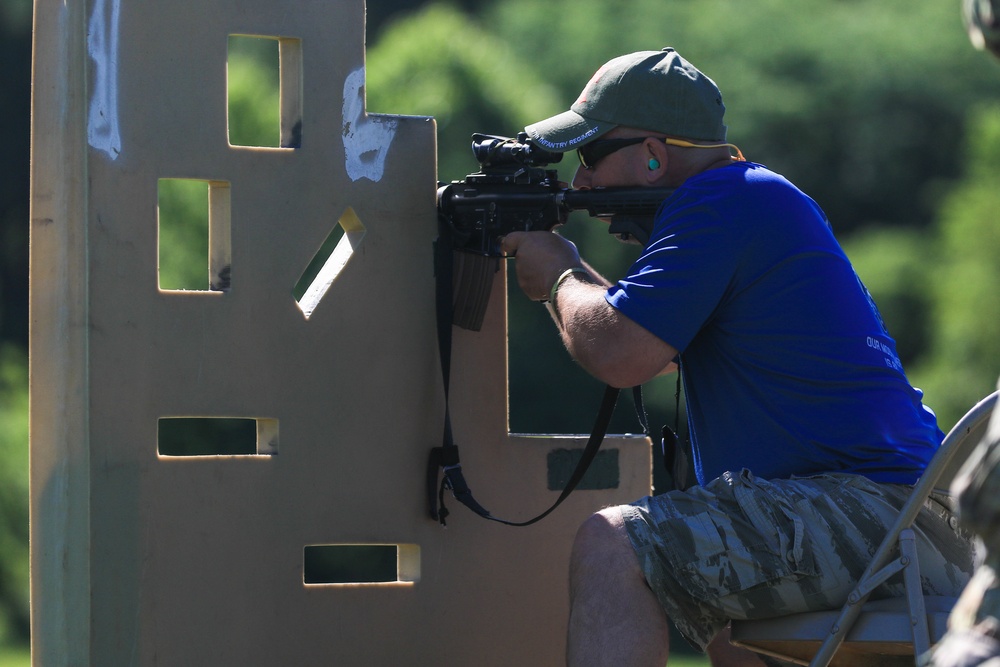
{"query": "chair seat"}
pixel 881 636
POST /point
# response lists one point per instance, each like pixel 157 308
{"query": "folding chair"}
pixel 882 632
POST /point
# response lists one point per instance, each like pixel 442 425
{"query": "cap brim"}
pixel 567 131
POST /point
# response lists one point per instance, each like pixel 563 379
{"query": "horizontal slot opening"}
pixel 361 564
pixel 216 436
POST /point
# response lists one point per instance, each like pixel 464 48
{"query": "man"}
pixel 805 432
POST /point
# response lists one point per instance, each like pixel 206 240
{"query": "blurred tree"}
pixel 15 79
pixel 380 12
pixel 440 62
pixel 15 105
pixel 858 103
pixel 253 90
pixel 893 263
pixel 182 212
pixel 962 362
pixel 14 613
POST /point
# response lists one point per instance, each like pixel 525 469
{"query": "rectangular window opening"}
pixel 193 234
pixel 264 91
pixel 347 564
pixel 216 436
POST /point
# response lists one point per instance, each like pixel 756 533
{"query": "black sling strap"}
pixel 445 458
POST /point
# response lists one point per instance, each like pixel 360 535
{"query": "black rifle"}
pixel 513 191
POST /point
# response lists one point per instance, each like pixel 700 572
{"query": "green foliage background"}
pixel 881 111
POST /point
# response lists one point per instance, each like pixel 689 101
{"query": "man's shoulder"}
pixel 740 178
pixel 745 187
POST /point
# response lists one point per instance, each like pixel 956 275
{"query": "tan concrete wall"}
pixel 144 559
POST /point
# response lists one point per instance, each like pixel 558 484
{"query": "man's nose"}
pixel 582 178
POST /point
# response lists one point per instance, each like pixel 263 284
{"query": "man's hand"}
pixel 541 258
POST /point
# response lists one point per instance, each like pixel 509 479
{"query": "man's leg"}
pixel 615 619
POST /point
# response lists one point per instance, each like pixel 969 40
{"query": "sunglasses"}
pixel 595 150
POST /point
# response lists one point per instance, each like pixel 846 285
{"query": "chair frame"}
pixel 897 551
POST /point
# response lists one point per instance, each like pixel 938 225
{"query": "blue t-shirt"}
pixel 787 366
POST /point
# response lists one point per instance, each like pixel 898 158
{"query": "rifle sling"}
pixel 445 458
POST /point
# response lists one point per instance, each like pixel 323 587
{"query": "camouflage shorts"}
pixel 741 547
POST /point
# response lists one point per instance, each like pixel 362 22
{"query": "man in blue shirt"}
pixel 805 431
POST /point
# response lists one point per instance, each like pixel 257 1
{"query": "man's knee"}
pixel 602 545
pixel 601 526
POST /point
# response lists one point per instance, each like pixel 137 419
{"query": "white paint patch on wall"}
pixel 102 46
pixel 366 138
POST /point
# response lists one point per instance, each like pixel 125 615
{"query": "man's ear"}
pixel 657 159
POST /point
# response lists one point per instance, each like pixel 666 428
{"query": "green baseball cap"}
pixel 650 90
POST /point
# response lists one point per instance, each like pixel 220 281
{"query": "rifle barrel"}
pixel 605 202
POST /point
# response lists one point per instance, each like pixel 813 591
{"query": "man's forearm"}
pixel 608 345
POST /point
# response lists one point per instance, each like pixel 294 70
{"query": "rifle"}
pixel 515 191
